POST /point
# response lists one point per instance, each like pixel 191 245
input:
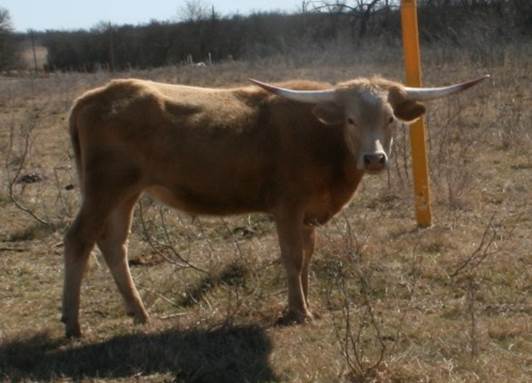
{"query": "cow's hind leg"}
pixel 107 184
pixel 113 244
pixel 79 241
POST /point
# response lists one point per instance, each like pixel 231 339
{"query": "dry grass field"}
pixel 449 303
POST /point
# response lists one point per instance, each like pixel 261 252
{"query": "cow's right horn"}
pixel 307 96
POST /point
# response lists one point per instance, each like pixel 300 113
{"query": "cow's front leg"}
pixel 291 240
pixel 309 241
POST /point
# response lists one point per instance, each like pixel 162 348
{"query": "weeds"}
pixel 31 232
pixel 164 245
pixel 19 162
pixel 395 301
pixel 486 247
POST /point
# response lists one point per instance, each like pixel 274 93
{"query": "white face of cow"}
pixel 370 115
pixel 369 127
pixel 370 110
pixel 370 124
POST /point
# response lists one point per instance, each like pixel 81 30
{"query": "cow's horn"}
pixel 425 94
pixel 307 96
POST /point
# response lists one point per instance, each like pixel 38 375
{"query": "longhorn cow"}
pixel 296 151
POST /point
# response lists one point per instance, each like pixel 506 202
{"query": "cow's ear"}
pixel 329 113
pixel 404 109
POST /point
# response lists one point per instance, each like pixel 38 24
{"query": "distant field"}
pixel 29 60
pixel 451 303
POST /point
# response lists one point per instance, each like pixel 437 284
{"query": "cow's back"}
pixel 210 150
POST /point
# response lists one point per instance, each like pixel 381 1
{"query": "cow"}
pixel 296 151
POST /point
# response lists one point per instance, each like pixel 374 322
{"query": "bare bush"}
pixel 156 233
pixel 19 150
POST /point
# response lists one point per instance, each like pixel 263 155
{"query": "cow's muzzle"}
pixel 375 162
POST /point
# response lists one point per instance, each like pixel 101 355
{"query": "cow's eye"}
pixel 390 120
pixel 350 121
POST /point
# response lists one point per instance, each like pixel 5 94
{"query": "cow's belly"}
pixel 204 203
pixel 167 197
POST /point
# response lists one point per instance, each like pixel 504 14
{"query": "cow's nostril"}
pixel 375 161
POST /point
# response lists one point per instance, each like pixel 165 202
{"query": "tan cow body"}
pixel 218 152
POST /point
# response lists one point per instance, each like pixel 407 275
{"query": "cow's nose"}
pixel 375 161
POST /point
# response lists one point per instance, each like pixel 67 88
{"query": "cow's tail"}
pixel 74 137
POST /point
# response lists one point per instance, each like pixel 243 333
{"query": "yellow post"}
pixel 417 129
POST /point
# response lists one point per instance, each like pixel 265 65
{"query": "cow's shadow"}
pixel 231 354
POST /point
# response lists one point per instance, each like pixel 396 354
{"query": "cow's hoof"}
pixel 72 331
pixel 72 328
pixel 295 317
pixel 142 318
pixel 138 313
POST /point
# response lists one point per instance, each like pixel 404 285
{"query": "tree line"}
pixel 202 34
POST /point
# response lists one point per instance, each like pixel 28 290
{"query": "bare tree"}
pixel 8 53
pixel 5 20
pixel 360 11
pixel 195 10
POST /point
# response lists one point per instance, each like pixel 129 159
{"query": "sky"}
pixel 74 14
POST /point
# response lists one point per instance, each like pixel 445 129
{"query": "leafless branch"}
pixel 484 249
pixel 351 337
pixel 160 247
pixel 473 330
pixel 18 170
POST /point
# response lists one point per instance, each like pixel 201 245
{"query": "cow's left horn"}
pixel 425 94
pixel 307 96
